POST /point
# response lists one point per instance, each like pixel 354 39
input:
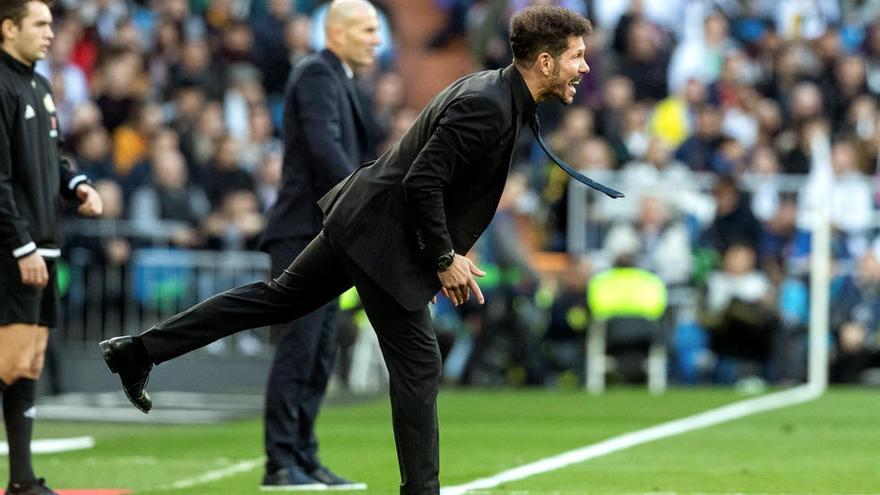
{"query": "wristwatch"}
pixel 445 260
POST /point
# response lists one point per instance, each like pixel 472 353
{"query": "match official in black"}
pixel 398 230
pixel 325 139
pixel 32 174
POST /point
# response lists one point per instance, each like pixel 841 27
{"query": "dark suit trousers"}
pixel 304 354
pixel 318 275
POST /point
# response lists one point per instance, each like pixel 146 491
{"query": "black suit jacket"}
pixel 437 189
pixel 325 139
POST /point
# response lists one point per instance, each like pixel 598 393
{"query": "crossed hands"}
pixel 458 281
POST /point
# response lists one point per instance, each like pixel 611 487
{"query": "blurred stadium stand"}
pixel 700 111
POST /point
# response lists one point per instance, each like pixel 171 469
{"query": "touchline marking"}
pixel 572 492
pixel 54 445
pixel 705 419
pixel 219 474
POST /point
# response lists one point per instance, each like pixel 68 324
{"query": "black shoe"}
pixel 124 356
pixel 290 478
pixel 334 481
pixel 35 487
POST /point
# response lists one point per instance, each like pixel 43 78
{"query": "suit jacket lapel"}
pixel 353 99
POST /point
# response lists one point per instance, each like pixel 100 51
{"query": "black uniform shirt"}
pixel 32 172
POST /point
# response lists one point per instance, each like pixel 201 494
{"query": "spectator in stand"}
pixel 734 221
pixel 644 61
pixel 237 224
pixel 617 97
pixel 804 113
pixel 260 140
pixel 632 139
pixel 296 38
pixel 225 173
pixel 697 151
pixel 131 140
pixel 269 178
pixel 242 94
pixel 196 68
pixel 93 153
pixel 701 58
pixel 852 207
pixel 575 130
pixel 568 322
pixel 740 313
pixel 855 319
pixel 170 206
pixel 65 76
pixel 119 86
pixel 847 86
pixel 237 45
pixel 661 175
pixel 388 101
pixel 781 240
pixel 659 242
pixel 762 174
pixel 672 118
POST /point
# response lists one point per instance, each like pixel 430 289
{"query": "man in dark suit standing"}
pixel 398 230
pixel 325 139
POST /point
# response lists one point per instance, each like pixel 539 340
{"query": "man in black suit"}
pixel 325 139
pixel 398 229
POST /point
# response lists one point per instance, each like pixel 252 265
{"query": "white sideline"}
pixel 54 445
pixel 219 474
pixel 712 417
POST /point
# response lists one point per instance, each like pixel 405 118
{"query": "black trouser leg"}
pixel 300 371
pixel 304 355
pixel 313 395
pixel 409 346
pixel 314 278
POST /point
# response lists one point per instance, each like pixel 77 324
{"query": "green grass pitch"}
pixel 827 446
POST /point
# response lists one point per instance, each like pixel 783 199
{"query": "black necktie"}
pixel 568 168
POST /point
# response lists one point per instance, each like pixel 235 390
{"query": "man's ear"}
pixel 545 63
pixel 334 32
pixel 8 29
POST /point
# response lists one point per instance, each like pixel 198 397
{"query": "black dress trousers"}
pixel 304 353
pixel 318 275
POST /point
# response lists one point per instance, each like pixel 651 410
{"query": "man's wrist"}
pixel 444 261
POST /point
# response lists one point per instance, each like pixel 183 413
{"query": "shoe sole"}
pixel 348 486
pixel 314 487
pixel 107 354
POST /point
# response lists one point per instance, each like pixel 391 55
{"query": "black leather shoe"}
pixel 334 481
pixel 290 478
pixel 124 357
pixel 35 487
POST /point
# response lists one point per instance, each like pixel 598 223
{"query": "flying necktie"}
pixel 568 168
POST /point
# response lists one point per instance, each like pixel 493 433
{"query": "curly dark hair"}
pixel 545 28
pixel 17 9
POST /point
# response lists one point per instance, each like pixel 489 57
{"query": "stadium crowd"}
pixel 706 113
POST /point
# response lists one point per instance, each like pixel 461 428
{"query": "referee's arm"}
pixel 15 237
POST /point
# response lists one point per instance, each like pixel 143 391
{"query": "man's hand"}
pixel 458 280
pixel 33 270
pixel 90 202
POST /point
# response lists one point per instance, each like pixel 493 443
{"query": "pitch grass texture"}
pixel 828 446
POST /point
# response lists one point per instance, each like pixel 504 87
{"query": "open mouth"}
pixel 573 85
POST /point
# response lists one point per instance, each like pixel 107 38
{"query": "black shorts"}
pixel 21 303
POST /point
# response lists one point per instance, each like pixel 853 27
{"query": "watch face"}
pixel 445 260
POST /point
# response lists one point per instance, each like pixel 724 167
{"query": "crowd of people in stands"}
pixel 706 113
